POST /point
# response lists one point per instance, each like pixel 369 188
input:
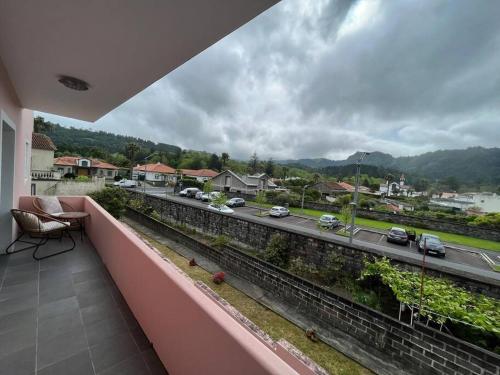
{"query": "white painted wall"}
pixel 42 160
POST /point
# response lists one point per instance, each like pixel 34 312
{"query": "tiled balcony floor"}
pixel 64 315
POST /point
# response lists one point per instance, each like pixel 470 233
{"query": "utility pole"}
pixel 354 202
pixel 422 280
pixel 303 193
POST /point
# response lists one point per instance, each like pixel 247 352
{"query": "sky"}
pixel 326 78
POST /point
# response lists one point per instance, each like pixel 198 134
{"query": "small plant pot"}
pixel 192 263
pixel 218 278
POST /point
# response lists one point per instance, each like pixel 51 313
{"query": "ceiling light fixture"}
pixel 74 83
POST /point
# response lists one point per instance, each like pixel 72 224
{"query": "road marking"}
pixel 487 259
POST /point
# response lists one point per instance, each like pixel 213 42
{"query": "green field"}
pixel 270 322
pixel 385 225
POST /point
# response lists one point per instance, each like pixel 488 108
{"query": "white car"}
pixel 207 197
pixel 278 211
pixel 328 221
pixel 220 208
pixel 198 195
pixel 126 183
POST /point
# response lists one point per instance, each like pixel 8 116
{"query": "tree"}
pixel 452 183
pixel 42 126
pixel 131 150
pixel 253 164
pixel 389 177
pixel 207 186
pixel 277 251
pixel 269 168
pixel 316 177
pixel 422 184
pixel 366 182
pixel 214 162
pixel 224 159
pixel 345 216
pixel 285 172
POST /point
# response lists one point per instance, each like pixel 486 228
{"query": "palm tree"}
pixel 131 150
pixel 224 159
pixel 316 177
pixel 285 172
pixel 42 126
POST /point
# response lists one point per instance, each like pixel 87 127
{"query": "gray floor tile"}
pixel 94 297
pixel 20 290
pixel 112 351
pixel 13 305
pixel 104 329
pixel 94 313
pixel 56 292
pixel 17 339
pixel 21 362
pixel 59 324
pixel 24 318
pixel 88 275
pixel 78 364
pixel 140 339
pixel 15 278
pixel 55 308
pixel 61 347
pixel 131 366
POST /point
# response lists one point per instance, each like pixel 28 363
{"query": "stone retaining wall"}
pixel 417 350
pixel 405 220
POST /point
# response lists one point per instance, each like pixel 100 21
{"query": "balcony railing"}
pixel 45 175
pixel 189 330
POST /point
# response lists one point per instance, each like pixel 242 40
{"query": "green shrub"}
pixel 220 241
pixel 277 251
pixel 82 179
pixel 300 268
pixel 332 269
pixel 114 200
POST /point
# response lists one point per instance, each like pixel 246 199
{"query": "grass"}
pixel 270 322
pixel 385 225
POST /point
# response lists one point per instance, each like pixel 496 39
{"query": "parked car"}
pixel 220 208
pixel 278 211
pixel 397 235
pixel 236 202
pixel 207 197
pixel 328 221
pixel 189 192
pixel 432 243
pixel 126 183
pixel 198 195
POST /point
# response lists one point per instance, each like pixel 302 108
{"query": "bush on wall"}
pixel 277 251
pixel 114 200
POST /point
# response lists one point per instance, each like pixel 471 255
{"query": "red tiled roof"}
pixel 42 142
pixel 157 168
pixel 199 172
pixel 73 161
pixel 346 186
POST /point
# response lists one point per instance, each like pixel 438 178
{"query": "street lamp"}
pixel 145 173
pixel 354 202
pixel 303 193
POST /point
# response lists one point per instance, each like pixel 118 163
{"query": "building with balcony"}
pixel 111 305
pixel 89 167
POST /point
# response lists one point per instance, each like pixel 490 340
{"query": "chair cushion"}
pixel 50 205
pixel 28 221
pixel 49 226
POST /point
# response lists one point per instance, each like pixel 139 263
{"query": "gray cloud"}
pixel 324 78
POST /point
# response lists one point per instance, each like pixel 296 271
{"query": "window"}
pixel 110 173
pixel 157 176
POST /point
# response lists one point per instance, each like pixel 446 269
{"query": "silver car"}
pixel 278 211
pixel 328 221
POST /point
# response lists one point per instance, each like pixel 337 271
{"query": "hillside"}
pixel 475 165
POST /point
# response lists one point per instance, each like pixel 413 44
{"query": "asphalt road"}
pixel 467 260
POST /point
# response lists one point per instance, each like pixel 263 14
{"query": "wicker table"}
pixel 78 217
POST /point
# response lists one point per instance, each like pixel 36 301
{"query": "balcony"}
pixel 114 306
pixel 45 175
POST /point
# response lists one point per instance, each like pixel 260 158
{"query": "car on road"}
pixel 126 183
pixel 207 197
pixel 398 235
pixel 198 195
pixel 432 245
pixel 235 202
pixel 220 208
pixel 278 211
pixel 328 221
pixel 189 192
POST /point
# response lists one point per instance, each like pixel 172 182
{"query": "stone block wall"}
pixel 414 349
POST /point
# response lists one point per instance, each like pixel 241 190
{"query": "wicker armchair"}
pixel 40 226
pixel 53 207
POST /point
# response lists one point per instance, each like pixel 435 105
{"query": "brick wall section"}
pixel 314 249
pixel 418 350
pixel 406 220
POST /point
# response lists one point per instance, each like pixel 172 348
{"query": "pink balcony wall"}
pixel 190 333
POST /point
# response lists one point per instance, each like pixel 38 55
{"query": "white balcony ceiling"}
pixel 118 46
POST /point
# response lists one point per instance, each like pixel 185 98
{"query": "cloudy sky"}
pixel 324 78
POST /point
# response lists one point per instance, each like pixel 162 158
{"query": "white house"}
pixel 248 184
pixel 155 173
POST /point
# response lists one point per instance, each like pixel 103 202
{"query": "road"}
pixel 466 260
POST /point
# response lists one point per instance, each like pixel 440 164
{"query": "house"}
pixel 201 175
pixel 80 166
pixel 81 60
pixel 42 158
pixel 332 188
pixel 157 173
pixel 248 184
